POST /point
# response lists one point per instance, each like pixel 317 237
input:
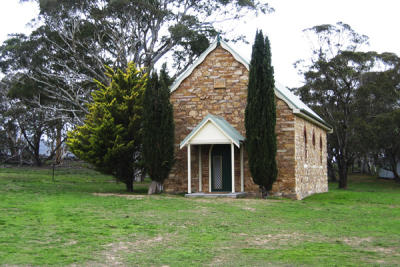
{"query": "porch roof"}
pixel 213 126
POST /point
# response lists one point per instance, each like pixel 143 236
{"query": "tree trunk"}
pixel 36 154
pixel 58 144
pixel 396 176
pixel 331 172
pixel 155 188
pixel 369 171
pixel 343 176
pixel 129 185
pixel 264 192
pixel 394 170
pixel 38 162
pixel 139 176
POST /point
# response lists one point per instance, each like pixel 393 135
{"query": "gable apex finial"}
pixel 218 38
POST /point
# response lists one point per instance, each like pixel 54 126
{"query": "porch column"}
pixel 209 168
pixel 241 170
pixel 189 170
pixel 200 167
pixel 233 166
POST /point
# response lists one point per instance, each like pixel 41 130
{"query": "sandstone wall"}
pixel 196 97
pixel 311 159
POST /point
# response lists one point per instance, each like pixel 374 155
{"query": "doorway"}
pixel 221 176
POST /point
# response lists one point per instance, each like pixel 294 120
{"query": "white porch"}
pixel 216 134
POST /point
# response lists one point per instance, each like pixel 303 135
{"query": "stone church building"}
pixel 209 102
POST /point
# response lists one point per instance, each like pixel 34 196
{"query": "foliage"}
pixel 66 223
pixel 25 123
pixel 49 80
pixel 338 84
pixel 111 137
pixel 260 116
pixel 78 37
pixel 386 138
pixel 378 106
pixel 158 130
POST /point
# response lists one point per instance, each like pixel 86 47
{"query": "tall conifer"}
pixel 260 116
pixel 111 137
pixel 158 130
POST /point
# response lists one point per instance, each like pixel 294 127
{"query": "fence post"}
pixel 53 172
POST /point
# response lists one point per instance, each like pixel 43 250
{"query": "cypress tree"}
pixel 260 116
pixel 158 130
pixel 111 136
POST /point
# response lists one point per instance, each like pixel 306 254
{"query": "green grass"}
pixel 64 222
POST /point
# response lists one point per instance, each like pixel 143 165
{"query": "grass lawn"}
pixel 67 223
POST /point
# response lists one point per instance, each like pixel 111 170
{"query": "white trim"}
pixel 290 104
pixel 241 170
pixel 189 163
pixel 210 141
pixel 233 166
pixel 200 172
pixel 209 168
pixel 235 55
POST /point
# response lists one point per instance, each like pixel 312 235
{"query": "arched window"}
pixel 313 138
pixel 320 147
pixel 305 143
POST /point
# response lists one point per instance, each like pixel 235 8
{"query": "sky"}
pixel 379 20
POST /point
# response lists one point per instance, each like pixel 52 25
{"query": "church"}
pixel 209 101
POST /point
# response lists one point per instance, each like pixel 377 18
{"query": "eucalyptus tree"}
pixel 378 106
pixel 81 36
pixel 332 76
pixel 335 77
pixel 31 121
pixel 35 112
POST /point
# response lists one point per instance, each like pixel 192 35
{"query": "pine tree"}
pixel 158 130
pixel 111 137
pixel 260 116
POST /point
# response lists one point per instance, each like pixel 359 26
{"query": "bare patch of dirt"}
pixel 357 241
pixel 134 196
pixel 71 243
pixel 366 243
pixel 383 250
pixel 119 195
pixel 113 252
pixel 249 208
pixel 271 240
pixel 204 211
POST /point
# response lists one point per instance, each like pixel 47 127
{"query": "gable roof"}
pixel 221 124
pixel 299 107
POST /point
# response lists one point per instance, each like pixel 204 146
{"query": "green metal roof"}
pixel 222 124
